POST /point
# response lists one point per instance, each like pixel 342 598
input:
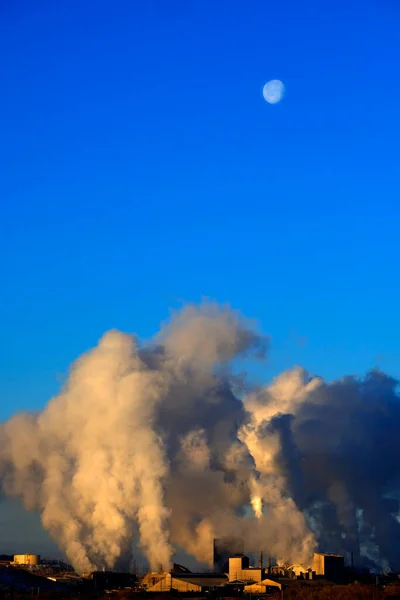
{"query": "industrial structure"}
pixel 111 580
pixel 184 582
pixel 240 570
pixel 26 559
pixel 329 566
pixel 236 573
pixel 264 587
pixel 252 580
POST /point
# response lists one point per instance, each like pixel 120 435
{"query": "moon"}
pixel 273 91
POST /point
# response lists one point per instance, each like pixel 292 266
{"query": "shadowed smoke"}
pixel 159 446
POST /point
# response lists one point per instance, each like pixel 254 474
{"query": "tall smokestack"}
pixel 260 560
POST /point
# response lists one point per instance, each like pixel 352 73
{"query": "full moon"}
pixel 273 91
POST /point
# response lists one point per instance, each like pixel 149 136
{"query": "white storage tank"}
pixel 26 559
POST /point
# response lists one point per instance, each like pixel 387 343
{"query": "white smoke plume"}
pixel 162 445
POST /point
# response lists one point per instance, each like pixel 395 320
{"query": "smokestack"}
pixel 260 560
pixel 269 564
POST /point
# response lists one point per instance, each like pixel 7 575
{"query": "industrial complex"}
pixel 232 576
pixel 240 574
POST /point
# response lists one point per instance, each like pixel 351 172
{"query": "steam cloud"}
pixel 163 445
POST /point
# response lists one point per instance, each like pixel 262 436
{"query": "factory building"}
pixel 152 578
pixel 112 580
pixel 265 586
pixel 26 559
pixel 239 570
pixel 223 549
pixel 300 570
pixel 329 566
pixel 188 582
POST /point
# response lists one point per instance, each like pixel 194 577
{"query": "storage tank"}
pixel 26 559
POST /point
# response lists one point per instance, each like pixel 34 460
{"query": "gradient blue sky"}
pixel 141 168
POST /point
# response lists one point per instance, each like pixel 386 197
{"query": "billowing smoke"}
pixel 164 445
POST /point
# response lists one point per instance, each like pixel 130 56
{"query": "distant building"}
pixel 329 566
pixel 69 579
pixel 152 577
pixel 223 549
pixel 239 570
pixel 26 559
pixel 111 580
pixel 265 586
pixel 299 570
pixel 187 582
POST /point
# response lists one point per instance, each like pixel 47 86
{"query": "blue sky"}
pixel 141 168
